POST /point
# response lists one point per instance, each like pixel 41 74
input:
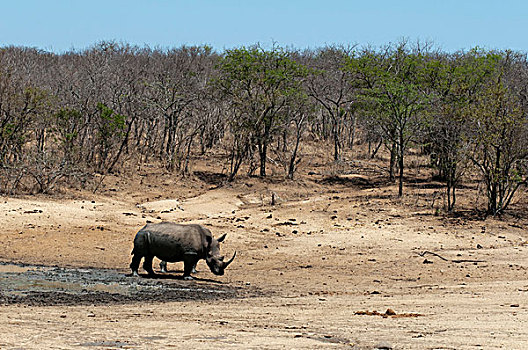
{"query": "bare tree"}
pixel 332 86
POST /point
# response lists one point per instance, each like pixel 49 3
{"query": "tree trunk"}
pixel 392 162
pixel 237 156
pixel 376 149
pixel 263 150
pixel 493 192
pixel 400 185
pixel 352 133
pixel 337 147
pixel 291 168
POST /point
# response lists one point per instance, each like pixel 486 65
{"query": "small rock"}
pixel 383 345
pixel 390 312
pixel 479 246
pixel 427 261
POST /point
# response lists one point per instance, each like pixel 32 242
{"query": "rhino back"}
pixel 170 242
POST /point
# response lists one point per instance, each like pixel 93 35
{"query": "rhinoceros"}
pixel 171 242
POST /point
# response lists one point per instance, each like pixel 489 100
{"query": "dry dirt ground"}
pixel 337 263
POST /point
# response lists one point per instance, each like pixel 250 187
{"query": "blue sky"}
pixel 61 25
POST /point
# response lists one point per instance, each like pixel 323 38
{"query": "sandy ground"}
pixel 321 267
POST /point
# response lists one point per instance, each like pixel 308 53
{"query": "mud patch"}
pixel 48 286
pixel 108 344
pixel 389 313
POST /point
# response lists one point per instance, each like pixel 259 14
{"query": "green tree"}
pixel 455 82
pixel 67 126
pixel 258 84
pixel 110 134
pixel 392 91
pixel 500 127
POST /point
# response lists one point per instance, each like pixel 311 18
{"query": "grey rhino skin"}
pixel 171 242
pixel 163 267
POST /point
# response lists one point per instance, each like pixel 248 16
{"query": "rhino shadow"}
pixel 168 276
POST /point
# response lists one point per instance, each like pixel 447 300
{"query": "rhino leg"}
pixel 134 265
pixel 163 267
pixel 147 265
pixel 189 263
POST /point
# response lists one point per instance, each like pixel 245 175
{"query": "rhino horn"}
pixel 226 264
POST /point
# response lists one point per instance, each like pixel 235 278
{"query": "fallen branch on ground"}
pixel 451 260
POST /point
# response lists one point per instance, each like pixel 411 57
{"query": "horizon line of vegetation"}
pixel 66 117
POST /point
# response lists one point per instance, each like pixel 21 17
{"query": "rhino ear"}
pixel 222 237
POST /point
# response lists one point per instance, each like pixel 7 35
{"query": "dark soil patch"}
pixel 211 178
pixel 49 286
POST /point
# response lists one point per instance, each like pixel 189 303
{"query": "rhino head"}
pixel 214 260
